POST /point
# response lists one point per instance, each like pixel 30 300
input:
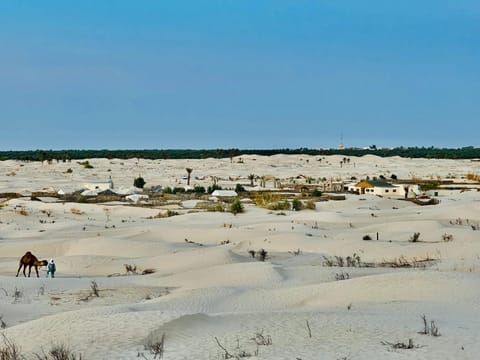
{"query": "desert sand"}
pixel 297 304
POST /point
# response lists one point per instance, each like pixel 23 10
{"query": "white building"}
pixel 383 188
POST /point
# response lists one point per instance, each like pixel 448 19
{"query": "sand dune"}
pixel 205 284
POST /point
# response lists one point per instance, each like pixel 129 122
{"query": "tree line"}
pixel 469 152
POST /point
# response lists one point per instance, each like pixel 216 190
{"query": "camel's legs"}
pixel 19 268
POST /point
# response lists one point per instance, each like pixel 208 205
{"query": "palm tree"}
pixel 189 172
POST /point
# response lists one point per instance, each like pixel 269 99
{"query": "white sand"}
pixel 199 293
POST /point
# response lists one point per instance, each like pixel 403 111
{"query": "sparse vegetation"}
pixel 342 276
pixel 139 182
pixel 279 205
pixel 429 328
pixel 86 164
pixel 260 255
pixel 310 205
pixel 297 204
pixel 94 287
pixel 316 193
pixel 447 237
pixel 156 349
pixel 59 352
pixel 236 207
pixel 415 237
pixel 9 350
pixel 401 345
pixel 75 211
pixel 340 261
pixel 130 269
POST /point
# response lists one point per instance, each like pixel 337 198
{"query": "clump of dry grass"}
pixel 155 348
pixel 23 212
pixel 9 350
pixel 415 237
pixel 59 352
pixel 447 237
pixel 75 211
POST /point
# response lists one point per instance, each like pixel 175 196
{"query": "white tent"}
pixel 224 193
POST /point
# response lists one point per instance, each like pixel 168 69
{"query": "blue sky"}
pixel 250 74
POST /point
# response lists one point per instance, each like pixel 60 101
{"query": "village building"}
pixel 385 189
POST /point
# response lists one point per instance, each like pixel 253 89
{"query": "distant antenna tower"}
pixel 340 146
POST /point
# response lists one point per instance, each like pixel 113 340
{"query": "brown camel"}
pixel 30 260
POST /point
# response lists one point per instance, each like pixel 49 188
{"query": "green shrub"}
pixel 279 205
pixel 199 190
pixel 171 213
pixel 316 193
pixel 297 205
pixel 139 182
pixel 236 207
pixel 167 190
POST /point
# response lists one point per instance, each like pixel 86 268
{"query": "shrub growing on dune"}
pixel 415 237
pixel 279 205
pixel 297 205
pixel 236 207
pixel 59 352
pixel 9 350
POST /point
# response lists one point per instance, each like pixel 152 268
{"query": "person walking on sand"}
pixel 51 268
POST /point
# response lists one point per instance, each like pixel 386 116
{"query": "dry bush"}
pixel 473 177
pixel 59 352
pixel 401 345
pixel 415 237
pixel 130 269
pixel 75 211
pixel 265 198
pixel 17 295
pixel 340 261
pixel 296 252
pixel 94 288
pixel 154 348
pixel 9 350
pixel 310 205
pixel 262 254
pixel 447 237
pixel 402 261
pixel 262 340
pixel 342 276
pixel 239 353
pixel 23 212
pixel 429 329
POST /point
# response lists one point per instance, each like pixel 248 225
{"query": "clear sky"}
pixel 256 74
